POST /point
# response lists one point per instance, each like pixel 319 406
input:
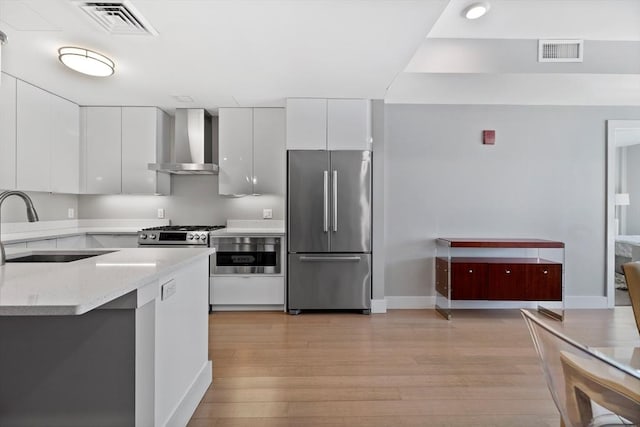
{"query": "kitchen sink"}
pixel 55 256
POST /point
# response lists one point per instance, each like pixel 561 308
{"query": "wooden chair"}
pixel 632 275
pixel 588 390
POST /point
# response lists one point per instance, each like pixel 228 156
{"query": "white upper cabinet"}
pixel 118 144
pixel 306 124
pixel 33 131
pixel 251 151
pixel 47 141
pixel 328 124
pixel 143 130
pixel 269 165
pixel 235 151
pixel 65 147
pixel 102 150
pixel 8 133
pixel 349 124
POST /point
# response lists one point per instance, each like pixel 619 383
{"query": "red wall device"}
pixel 489 137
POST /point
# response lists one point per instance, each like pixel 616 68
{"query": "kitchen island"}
pixel 117 339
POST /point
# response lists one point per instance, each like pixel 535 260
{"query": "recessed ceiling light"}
pixel 475 10
pixel 86 61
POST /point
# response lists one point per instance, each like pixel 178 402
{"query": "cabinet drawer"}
pixel 507 282
pixel 468 281
pixel 246 290
pixel 544 282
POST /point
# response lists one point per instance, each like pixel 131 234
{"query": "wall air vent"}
pixel 560 50
pixel 117 17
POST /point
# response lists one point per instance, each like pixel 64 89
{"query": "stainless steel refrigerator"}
pixel 329 230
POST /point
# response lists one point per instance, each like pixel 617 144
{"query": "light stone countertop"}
pixel 74 288
pixel 24 232
pixel 240 227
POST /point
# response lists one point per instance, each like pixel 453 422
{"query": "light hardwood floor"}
pixel 403 368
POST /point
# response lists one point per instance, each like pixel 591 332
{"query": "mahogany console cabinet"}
pixel 498 270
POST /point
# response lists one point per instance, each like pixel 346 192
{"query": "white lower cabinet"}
pixel 19 245
pixel 42 244
pixel 112 240
pixel 246 290
pixel 72 242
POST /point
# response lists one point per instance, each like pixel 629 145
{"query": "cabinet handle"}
pixel 545 272
pixel 470 271
pixel 508 271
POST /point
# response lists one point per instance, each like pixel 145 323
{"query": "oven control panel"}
pixel 172 238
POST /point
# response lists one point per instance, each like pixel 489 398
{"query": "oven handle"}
pixel 333 258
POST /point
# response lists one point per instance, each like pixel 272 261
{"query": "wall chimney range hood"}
pixel 193 150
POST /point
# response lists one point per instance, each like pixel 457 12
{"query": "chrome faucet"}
pixel 32 215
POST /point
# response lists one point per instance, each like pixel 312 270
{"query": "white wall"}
pixel 544 178
pixel 50 207
pixel 194 199
pixel 632 212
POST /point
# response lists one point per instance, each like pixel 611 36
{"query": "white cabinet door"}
pixel 20 245
pixel 235 151
pixel 268 151
pixel 8 133
pixel 102 150
pixel 306 124
pixel 33 133
pixel 65 146
pixel 42 244
pixel 112 240
pixel 142 128
pixel 246 290
pixel 71 242
pixel 349 124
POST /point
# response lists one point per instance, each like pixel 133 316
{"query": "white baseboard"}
pixel 187 406
pixel 249 307
pixel 378 306
pixel 418 302
pixel 467 304
pixel 410 302
pixel 586 302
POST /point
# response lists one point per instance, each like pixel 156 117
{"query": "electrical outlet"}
pixel 71 213
pixel 267 213
pixel 160 213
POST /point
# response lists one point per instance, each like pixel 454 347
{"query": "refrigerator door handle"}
pixel 325 259
pixel 325 201
pixel 335 200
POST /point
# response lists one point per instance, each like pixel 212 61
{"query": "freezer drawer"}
pixel 329 281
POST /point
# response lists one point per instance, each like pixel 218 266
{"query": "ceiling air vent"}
pixel 117 17
pixel 560 50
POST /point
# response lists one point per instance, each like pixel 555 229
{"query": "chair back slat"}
pixel 583 385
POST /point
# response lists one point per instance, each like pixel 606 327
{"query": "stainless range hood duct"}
pixel 193 146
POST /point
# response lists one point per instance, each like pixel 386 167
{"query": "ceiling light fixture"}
pixel 86 61
pixel 475 10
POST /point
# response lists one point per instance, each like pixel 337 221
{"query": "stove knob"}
pixel 143 236
pixel 152 236
pixel 202 237
pixel 190 237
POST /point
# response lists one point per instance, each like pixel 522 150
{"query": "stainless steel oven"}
pixel 246 255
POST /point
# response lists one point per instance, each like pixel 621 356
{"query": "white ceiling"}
pixel 259 52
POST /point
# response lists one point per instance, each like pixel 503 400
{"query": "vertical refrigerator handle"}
pixel 335 200
pixel 325 201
